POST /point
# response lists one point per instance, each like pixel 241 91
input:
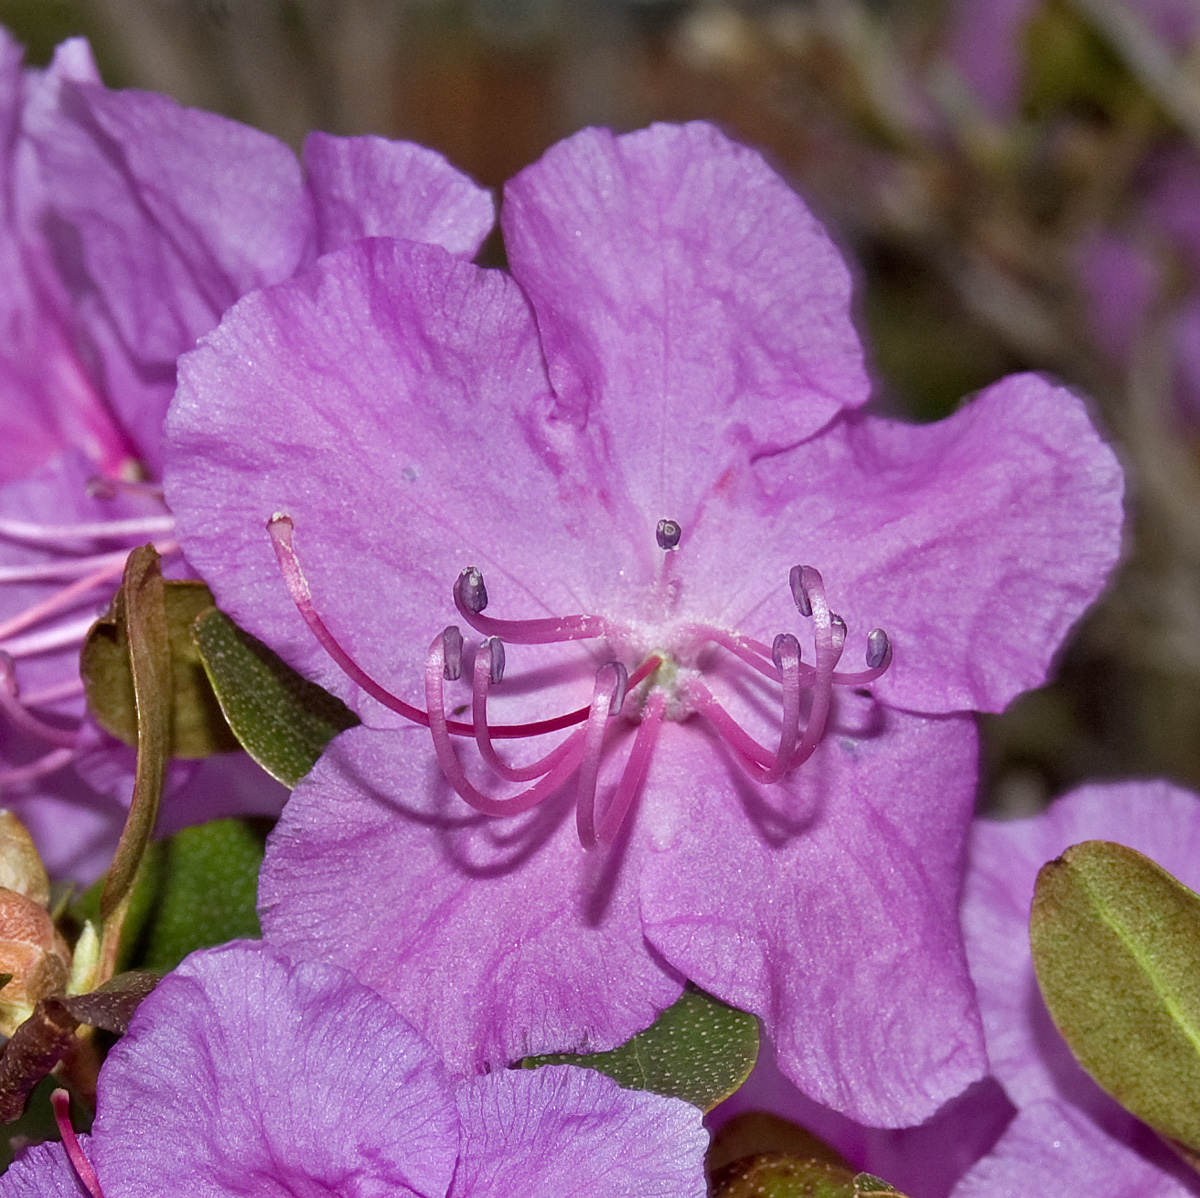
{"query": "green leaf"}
pixel 194 890
pixel 207 891
pixel 699 1049
pixel 1116 947
pixel 776 1175
pixel 281 719
pixel 198 729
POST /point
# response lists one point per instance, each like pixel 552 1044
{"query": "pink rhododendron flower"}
pixel 127 225
pixel 246 1074
pixel 636 468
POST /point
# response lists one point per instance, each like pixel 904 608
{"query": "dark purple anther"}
pixel 878 647
pixel 470 591
pixel 495 647
pixel 668 534
pixel 618 699
pixel 784 642
pixel 838 627
pixel 452 645
pixel 799 591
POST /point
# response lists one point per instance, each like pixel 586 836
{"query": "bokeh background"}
pixel 1017 183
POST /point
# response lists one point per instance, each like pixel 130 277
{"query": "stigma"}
pixel 640 678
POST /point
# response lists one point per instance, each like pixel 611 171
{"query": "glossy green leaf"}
pixel 281 719
pixel 198 729
pixel 775 1175
pixel 699 1049
pixel 1116 946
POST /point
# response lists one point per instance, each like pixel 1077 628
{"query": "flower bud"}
pixel 21 868
pixel 33 952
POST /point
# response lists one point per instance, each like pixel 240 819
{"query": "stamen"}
pixel 634 773
pixel 786 654
pixel 280 529
pixel 760 764
pixel 829 637
pixel 51 763
pixel 668 533
pixel 470 597
pixel 879 648
pixel 494 650
pixel 607 697
pixel 70 688
pixel 470 592
pixel 101 487
pixel 61 1102
pixel 435 676
pixel 110 570
pixel 53 534
pixel 49 571
pixel 58 637
pixel 489 668
pixel 839 629
pixel 799 592
pixel 452 646
pixel 25 720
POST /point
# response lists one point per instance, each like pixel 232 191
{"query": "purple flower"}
pixel 246 1074
pixel 633 451
pixel 989 43
pixel 127 225
pixel 1129 271
pixel 1068 1134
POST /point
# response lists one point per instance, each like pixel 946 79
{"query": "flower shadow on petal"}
pixel 795 807
pixel 474 844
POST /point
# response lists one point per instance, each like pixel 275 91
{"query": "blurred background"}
pixel 1017 183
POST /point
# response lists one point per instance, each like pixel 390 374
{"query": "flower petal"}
pixel 924 1161
pixel 827 905
pixel 43 1171
pixel 541 1133
pixel 243 1073
pixel 1051 1149
pixel 372 187
pixel 178 212
pixel 497 938
pixel 390 401
pixel 975 543
pixel 690 306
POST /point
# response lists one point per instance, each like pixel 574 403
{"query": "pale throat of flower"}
pixel 79 576
pixel 646 690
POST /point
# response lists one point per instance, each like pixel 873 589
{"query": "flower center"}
pixel 637 687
